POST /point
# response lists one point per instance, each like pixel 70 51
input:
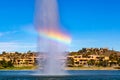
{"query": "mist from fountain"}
pixel 52 40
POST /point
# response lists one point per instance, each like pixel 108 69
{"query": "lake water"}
pixel 72 75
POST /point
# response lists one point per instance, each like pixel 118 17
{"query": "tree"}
pixel 105 63
pixel 9 64
pixel 70 62
pixel 91 62
pixel 118 61
pixel 29 52
pixel 6 64
pixel 3 52
pixel 85 55
pixel 16 52
pixel 113 57
pixel 36 62
pixel 3 63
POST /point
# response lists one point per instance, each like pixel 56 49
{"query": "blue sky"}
pixel 91 23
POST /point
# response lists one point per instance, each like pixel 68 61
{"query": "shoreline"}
pixel 90 68
pixel 19 68
pixel 66 68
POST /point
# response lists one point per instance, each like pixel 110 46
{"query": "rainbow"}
pixel 55 35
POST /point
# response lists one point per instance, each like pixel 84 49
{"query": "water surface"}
pixel 72 75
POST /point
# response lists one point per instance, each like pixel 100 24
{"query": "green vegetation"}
pixel 86 58
pixel 20 68
pixel 91 68
pixel 6 64
pixel 91 62
pixel 21 60
pixel 94 58
pixel 70 62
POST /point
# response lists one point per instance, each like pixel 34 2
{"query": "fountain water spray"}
pixel 52 40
